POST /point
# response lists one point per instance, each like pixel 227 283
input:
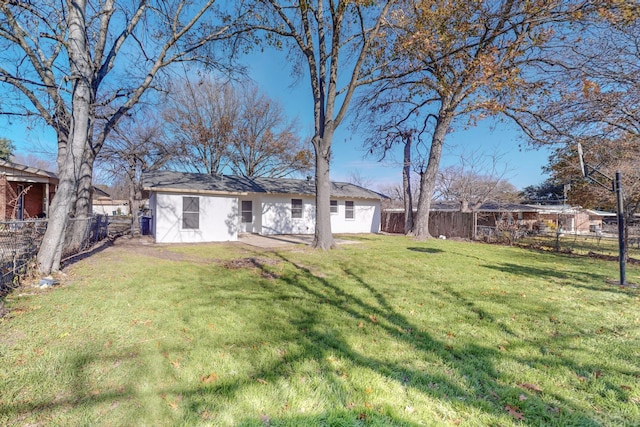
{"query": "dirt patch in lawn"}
pixel 146 245
pixel 253 263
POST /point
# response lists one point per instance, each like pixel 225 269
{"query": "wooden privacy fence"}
pixel 449 224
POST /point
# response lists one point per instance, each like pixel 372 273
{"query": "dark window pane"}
pixel 190 212
pixel 247 211
pixel 191 220
pixel 349 212
pixel 334 206
pixel 296 208
pixel 191 204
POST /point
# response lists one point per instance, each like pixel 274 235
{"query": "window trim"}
pixel 190 214
pixel 297 207
pixel 349 210
pixel 333 207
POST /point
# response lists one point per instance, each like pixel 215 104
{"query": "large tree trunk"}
pixel 428 179
pixel 70 160
pixel 82 208
pixel 135 196
pixel 323 237
pixel 406 186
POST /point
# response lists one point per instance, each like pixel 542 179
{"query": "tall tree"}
pixel 265 142
pixel 200 117
pixel 593 86
pixel 331 40
pixel 476 179
pixel 6 149
pixel 220 126
pixel 453 63
pixel 549 192
pixel 80 66
pixel 592 96
pixel 136 145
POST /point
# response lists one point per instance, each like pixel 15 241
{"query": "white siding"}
pixel 218 219
pixel 111 209
pixel 366 217
pixel 276 215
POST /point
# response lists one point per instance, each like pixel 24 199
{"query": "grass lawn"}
pixel 388 331
pixel 582 244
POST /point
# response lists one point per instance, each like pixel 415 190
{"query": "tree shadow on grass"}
pixel 473 363
pixel 567 277
pixel 466 374
pixel 425 250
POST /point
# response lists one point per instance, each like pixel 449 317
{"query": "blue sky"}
pixel 522 166
pixel 272 74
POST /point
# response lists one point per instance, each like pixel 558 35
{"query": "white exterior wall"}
pixel 218 219
pixel 366 213
pixel 276 216
pixel 109 209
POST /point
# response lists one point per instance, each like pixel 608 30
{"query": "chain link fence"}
pixel 600 244
pixel 21 240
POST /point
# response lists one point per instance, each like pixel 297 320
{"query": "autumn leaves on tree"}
pixel 562 70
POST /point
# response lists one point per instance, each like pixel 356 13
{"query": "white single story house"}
pixel 193 207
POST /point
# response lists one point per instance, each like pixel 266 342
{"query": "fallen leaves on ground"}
pixel 209 378
pixel 530 387
pixel 514 411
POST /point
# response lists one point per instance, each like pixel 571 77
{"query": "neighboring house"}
pixel 191 207
pixel 25 192
pixel 565 218
pixel 597 220
pixel 103 204
pixel 570 219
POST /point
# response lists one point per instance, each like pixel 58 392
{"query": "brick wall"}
pixel 3 197
pixel 33 199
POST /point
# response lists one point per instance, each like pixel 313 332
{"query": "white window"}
pixel 247 211
pixel 349 212
pixel 296 208
pixel 334 206
pixel 191 213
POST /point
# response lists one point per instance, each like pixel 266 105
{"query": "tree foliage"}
pixel 452 63
pixel 136 145
pixel 219 127
pixel 7 149
pixel 546 193
pixel 200 117
pixel 265 142
pixel 471 189
pixel 80 66
pixel 591 96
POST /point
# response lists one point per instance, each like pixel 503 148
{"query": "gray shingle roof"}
pixel 233 184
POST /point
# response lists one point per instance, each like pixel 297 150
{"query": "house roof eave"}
pixel 28 170
pixel 195 191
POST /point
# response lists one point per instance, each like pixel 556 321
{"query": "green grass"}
pixel 582 244
pixel 388 331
